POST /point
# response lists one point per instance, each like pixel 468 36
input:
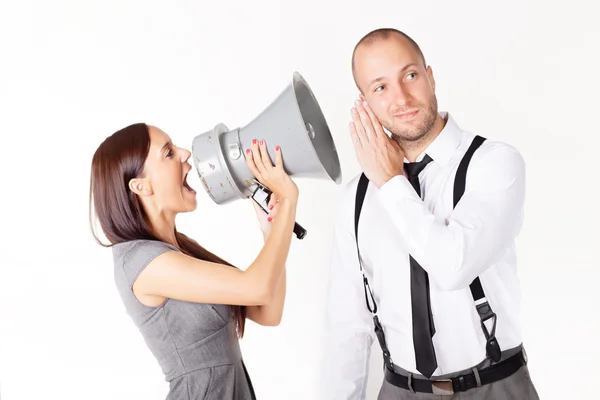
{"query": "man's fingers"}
pixel 358 127
pixel 354 135
pixel 378 129
pixel 366 122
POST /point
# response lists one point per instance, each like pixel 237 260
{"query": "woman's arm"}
pixel 177 276
pixel 270 314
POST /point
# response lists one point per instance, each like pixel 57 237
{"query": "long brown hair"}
pixel 119 211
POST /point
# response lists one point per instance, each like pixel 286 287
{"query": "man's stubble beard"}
pixel 408 138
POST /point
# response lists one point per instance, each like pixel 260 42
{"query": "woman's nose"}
pixel 185 155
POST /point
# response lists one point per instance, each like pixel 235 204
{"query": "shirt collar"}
pixel 443 146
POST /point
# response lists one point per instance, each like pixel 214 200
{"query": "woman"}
pixel 189 304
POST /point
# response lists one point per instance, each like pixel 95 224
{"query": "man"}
pixel 437 211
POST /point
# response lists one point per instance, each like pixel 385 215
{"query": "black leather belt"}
pixel 460 383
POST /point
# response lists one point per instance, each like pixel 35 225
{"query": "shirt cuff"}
pixel 397 188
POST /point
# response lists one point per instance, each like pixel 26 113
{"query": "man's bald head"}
pixel 383 34
pixel 390 72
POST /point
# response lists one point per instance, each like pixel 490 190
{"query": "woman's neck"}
pixel 163 227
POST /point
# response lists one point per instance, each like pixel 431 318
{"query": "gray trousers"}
pixel 516 386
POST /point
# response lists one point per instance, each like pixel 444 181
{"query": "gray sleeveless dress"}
pixel 195 344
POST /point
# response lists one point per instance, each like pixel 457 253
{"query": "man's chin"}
pixel 412 131
pixel 407 135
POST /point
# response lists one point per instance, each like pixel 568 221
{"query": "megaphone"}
pixel 295 122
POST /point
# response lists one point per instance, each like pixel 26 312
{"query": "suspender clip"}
pixel 492 348
pixel 387 359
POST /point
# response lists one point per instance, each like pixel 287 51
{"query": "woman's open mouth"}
pixel 186 185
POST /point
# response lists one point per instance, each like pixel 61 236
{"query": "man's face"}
pixel 399 88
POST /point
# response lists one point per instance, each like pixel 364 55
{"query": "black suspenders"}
pixel 492 348
pixel 481 304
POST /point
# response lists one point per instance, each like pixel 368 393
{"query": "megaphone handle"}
pixel 299 231
pixel 262 195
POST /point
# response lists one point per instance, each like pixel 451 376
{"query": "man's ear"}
pixel 140 186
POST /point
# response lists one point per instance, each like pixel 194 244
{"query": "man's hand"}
pixel 379 156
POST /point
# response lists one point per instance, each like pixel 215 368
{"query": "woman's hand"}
pixel 272 176
pixel 265 220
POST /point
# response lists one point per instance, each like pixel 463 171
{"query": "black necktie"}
pixel 423 328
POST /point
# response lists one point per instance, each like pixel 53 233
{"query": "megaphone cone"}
pixel 295 122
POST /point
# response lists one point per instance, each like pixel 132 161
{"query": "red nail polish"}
pixel 269 219
pixel 262 142
pixel 277 148
pixel 248 151
pixel 271 207
pixel 253 141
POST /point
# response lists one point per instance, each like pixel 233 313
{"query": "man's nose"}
pixel 400 95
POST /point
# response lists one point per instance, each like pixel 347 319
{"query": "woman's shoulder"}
pixel 131 250
pixel 131 257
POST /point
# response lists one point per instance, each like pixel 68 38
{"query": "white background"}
pixel 73 72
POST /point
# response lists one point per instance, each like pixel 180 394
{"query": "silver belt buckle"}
pixel 442 387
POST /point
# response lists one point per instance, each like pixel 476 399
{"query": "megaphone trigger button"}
pixel 234 151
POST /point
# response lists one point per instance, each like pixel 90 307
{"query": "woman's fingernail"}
pixel 277 148
pixel 269 219
pixel 253 141
pixel 271 207
pixel 248 151
pixel 262 142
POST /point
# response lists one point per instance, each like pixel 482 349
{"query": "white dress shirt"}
pixel 453 245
